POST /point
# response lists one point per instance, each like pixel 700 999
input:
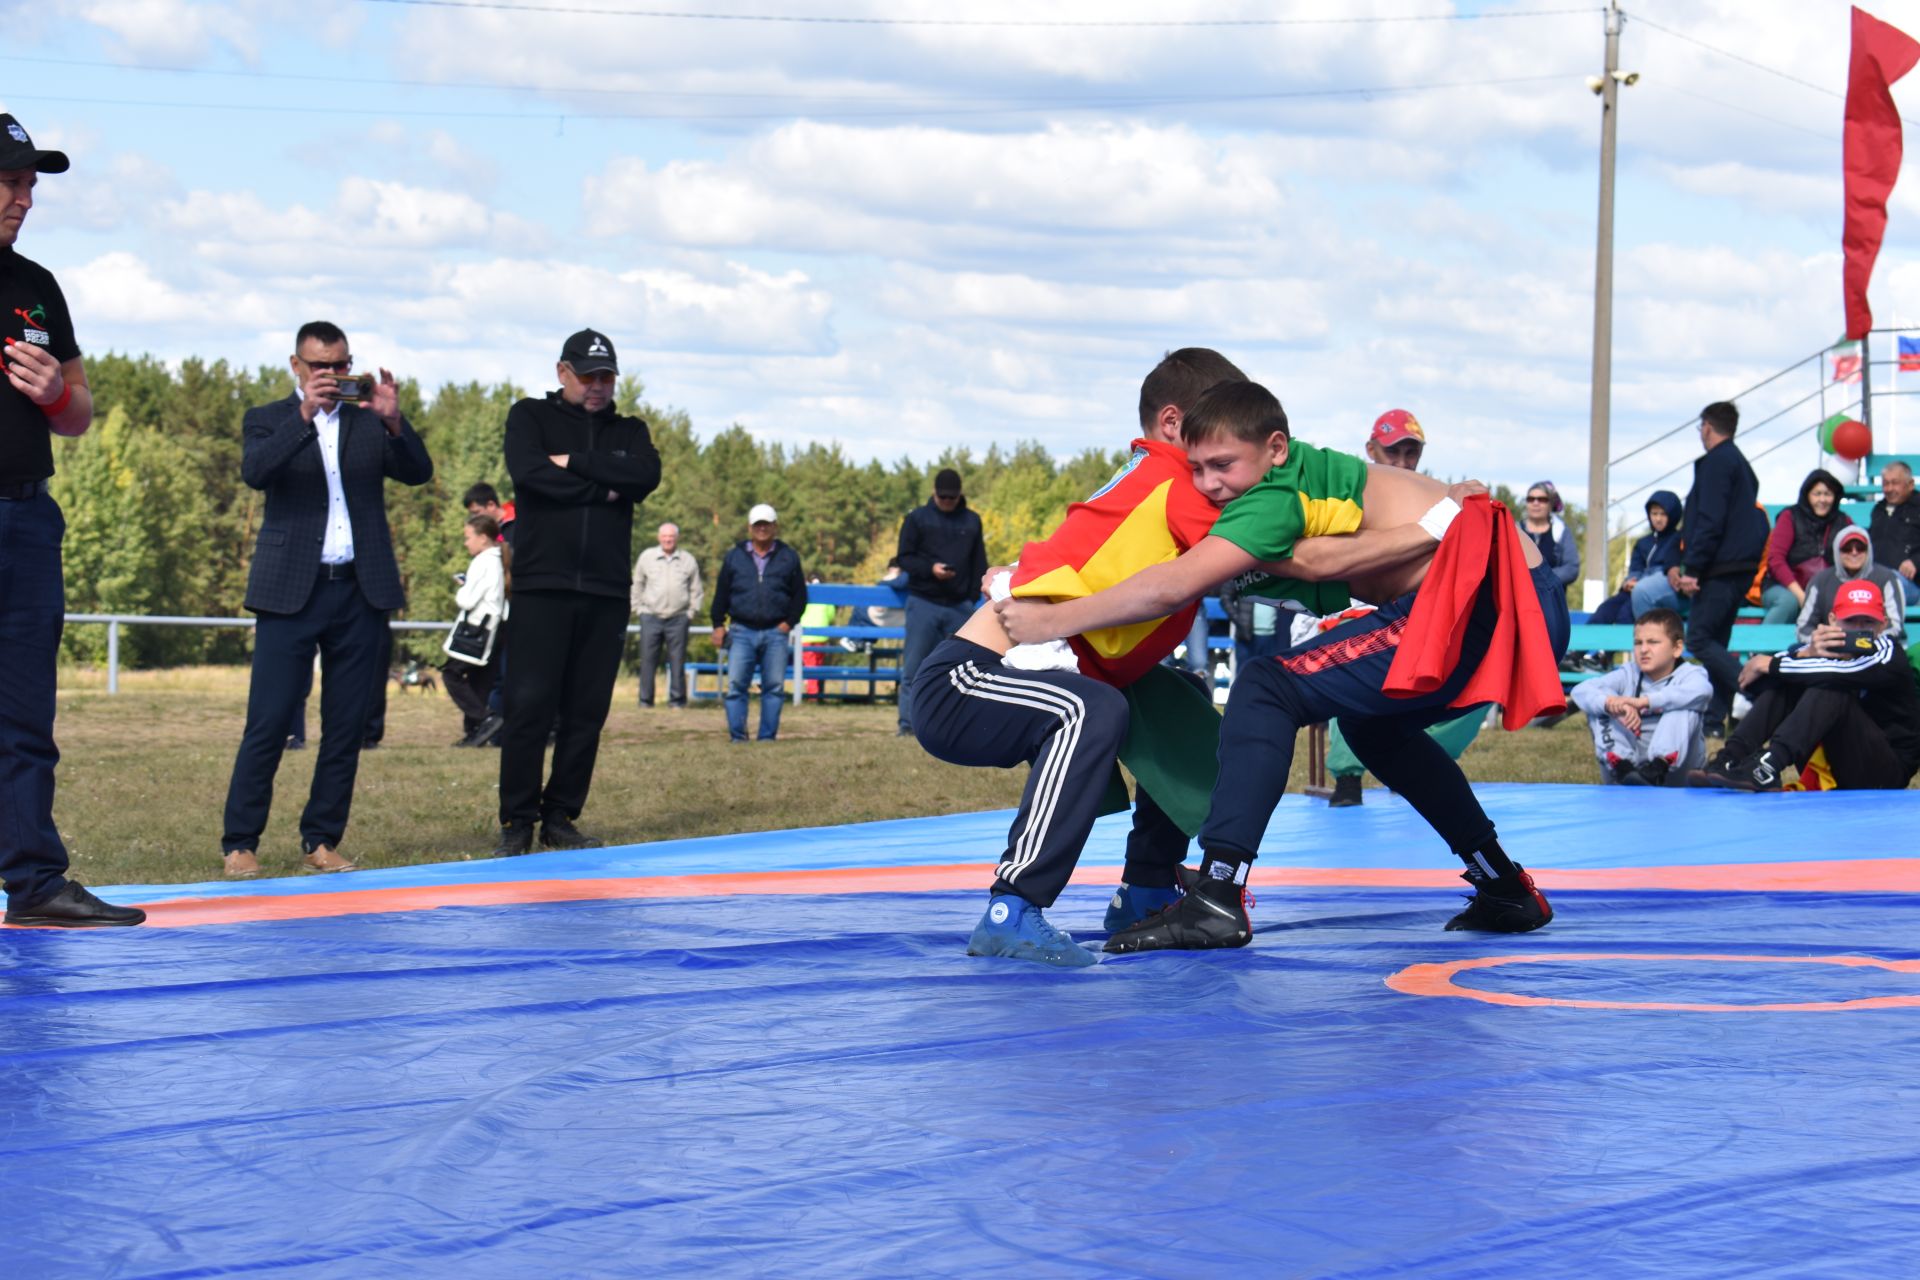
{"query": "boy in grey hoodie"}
pixel 1853 559
pixel 1646 716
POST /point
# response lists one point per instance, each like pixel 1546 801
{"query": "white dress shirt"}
pixel 337 548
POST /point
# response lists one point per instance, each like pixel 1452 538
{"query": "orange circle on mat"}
pixel 1438 980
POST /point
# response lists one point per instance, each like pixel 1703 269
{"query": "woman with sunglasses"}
pixel 1540 520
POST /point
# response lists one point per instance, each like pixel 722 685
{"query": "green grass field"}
pixel 144 775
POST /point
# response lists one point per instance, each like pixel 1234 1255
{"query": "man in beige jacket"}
pixel 666 595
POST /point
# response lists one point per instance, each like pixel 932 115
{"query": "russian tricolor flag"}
pixel 1910 355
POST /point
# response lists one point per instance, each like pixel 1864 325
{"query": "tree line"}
pixel 159 521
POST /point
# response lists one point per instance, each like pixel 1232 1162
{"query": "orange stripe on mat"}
pixel 1878 875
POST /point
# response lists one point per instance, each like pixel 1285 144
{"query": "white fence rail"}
pixel 114 621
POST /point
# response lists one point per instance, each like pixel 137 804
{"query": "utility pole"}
pixel 1607 85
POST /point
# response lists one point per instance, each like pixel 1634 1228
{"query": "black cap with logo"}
pixel 589 351
pixel 18 152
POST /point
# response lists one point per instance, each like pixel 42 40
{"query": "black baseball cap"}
pixel 590 351
pixel 947 483
pixel 18 152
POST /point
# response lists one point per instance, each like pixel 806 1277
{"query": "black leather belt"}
pixel 21 490
pixel 336 572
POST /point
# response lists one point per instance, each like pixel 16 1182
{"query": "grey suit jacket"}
pixel 280 456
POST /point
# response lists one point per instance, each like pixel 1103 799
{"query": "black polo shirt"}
pixel 32 309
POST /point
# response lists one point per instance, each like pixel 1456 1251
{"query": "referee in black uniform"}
pixel 45 392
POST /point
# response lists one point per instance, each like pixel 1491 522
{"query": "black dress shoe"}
pixel 558 832
pixel 485 732
pixel 74 908
pixel 516 838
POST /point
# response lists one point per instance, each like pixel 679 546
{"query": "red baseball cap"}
pixel 1395 425
pixel 1860 600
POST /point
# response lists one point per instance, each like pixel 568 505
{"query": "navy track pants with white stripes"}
pixel 971 709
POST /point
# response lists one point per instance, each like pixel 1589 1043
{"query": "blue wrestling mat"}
pixel 769 1055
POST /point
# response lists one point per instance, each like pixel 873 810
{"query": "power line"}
pixel 1090 104
pixel 511 6
pixel 1034 102
pixel 1728 53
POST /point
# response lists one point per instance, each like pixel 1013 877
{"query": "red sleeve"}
pixel 1190 516
pixel 1778 544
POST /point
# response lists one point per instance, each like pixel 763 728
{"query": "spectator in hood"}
pixel 1853 562
pixel 945 556
pixel 1797 549
pixel 1647 564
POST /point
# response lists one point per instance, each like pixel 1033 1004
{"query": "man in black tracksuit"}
pixel 578 468
pixel 1724 535
pixel 1849 689
pixel 945 556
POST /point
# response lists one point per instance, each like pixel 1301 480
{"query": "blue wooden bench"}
pixel 1586 637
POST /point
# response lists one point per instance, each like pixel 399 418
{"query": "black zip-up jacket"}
pixel 1724 532
pixel 750 598
pixel 1896 532
pixel 573 527
pixel 930 536
pixel 1874 669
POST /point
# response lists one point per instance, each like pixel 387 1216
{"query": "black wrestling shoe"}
pixel 1717 772
pixel 1761 771
pixel 1651 774
pixel 1195 922
pixel 74 908
pixel 1346 793
pixel 1488 912
pixel 1622 771
pixel 516 838
pixel 558 832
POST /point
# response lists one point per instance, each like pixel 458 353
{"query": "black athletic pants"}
pixel 1343 674
pixel 1794 719
pixel 969 708
pixel 1709 629
pixel 566 653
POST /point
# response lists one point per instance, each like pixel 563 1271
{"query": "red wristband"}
pixel 59 406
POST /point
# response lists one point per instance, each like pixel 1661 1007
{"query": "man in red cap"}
pixel 1397 440
pixel 1849 689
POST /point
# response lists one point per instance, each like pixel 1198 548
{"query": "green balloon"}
pixel 1827 429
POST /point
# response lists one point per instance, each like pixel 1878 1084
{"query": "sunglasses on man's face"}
pixel 1536 497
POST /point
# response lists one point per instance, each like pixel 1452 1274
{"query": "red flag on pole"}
pixel 1871 152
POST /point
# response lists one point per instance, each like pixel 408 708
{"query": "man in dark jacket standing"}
pixel 323 578
pixel 578 468
pixel 945 556
pixel 756 604
pixel 1725 537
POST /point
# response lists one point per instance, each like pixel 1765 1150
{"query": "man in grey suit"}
pixel 323 577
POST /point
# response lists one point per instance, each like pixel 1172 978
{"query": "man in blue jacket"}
pixel 1724 533
pixel 757 602
pixel 945 556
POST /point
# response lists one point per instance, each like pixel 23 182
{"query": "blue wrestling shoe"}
pixel 1014 927
pixel 1131 904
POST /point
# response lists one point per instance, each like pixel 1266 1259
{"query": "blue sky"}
pixel 914 236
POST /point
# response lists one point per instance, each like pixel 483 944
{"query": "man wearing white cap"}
pixel 756 604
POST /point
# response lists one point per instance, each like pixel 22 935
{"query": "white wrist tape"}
pixel 1439 516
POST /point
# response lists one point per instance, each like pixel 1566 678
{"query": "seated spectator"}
pixel 1849 690
pixel 1540 520
pixel 1646 716
pixel 482 600
pixel 1853 562
pixel 1647 566
pixel 1797 548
